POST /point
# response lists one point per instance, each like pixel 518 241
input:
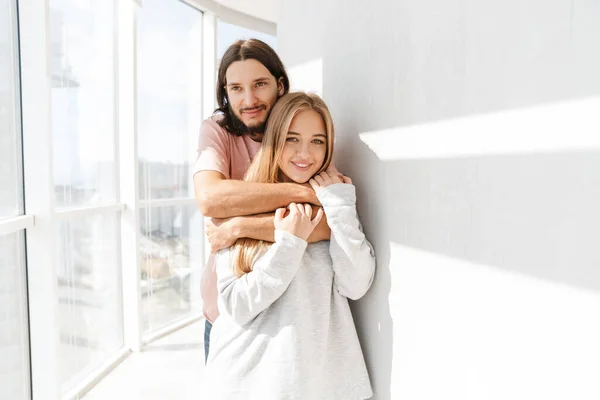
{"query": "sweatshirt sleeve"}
pixel 352 255
pixel 245 297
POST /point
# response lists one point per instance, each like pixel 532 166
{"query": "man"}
pixel 251 79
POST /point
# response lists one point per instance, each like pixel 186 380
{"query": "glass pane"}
pixel 228 33
pixel 89 295
pixel 169 64
pixel 82 42
pixel 14 347
pixel 10 183
pixel 171 263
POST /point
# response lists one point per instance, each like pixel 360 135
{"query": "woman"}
pixel 286 331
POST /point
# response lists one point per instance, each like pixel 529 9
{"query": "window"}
pixel 169 99
pixel 171 262
pixel 76 166
pixel 14 365
pixel 83 101
pixel 89 295
pixel 82 37
pixel 14 354
pixel 10 176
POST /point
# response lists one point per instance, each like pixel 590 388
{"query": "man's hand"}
pixel 327 178
pixel 314 200
pixel 332 170
pixel 221 232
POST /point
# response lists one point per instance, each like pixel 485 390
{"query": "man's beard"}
pixel 238 126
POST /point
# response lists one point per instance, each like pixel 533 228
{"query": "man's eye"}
pixel 235 88
pixel 261 84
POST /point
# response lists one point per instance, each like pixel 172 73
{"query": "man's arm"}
pixel 223 198
pixel 261 227
pixel 222 233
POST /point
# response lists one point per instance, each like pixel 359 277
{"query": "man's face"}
pixel 252 92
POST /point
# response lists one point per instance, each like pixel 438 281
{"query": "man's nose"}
pixel 249 98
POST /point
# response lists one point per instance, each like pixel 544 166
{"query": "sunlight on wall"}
pixel 573 125
pixel 486 333
pixel 307 77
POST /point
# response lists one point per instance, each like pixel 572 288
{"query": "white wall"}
pixel 471 130
pixel 264 9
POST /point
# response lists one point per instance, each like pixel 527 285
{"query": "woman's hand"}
pixel 298 220
pixel 329 177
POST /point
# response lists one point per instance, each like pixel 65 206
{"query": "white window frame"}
pixel 16 224
pixel 234 17
pixel 39 199
pixel 19 224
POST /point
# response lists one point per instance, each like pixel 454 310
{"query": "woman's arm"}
pixel 352 255
pixel 245 297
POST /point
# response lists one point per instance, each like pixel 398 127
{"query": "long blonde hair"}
pixel 265 166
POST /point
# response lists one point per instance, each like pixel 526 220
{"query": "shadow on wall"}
pixel 529 213
pixel 376 326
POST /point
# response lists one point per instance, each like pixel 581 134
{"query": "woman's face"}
pixel 305 147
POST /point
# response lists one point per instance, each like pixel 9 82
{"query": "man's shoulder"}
pixel 211 128
pixel 214 122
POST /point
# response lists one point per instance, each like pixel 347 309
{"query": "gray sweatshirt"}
pixel 285 329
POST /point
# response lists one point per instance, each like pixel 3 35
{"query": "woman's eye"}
pixel 291 139
pixel 318 141
pixel 235 88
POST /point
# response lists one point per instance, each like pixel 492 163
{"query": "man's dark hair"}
pixel 250 49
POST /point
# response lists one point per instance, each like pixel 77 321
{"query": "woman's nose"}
pixel 302 150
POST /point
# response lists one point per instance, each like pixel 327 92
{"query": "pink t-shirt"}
pixel 221 151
